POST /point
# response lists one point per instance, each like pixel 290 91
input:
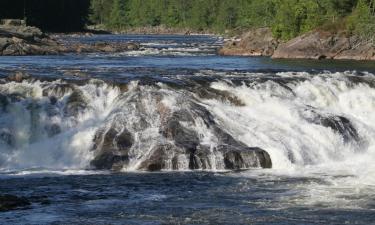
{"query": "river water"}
pixel 315 119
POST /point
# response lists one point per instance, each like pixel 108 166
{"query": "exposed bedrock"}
pixel 24 40
pixel 317 44
pixel 256 42
pixel 326 45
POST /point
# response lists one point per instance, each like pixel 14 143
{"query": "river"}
pixel 315 119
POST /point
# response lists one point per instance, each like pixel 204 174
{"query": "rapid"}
pixel 251 139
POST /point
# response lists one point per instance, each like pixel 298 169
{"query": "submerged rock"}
pixel 11 202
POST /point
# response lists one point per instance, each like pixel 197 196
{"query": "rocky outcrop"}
pixel 174 138
pixel 325 45
pixel 22 40
pixel 257 42
pixel 316 44
pixel 11 202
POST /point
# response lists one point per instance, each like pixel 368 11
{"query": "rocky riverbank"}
pixel 23 40
pixel 313 45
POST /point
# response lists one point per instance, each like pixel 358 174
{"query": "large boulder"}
pixel 179 144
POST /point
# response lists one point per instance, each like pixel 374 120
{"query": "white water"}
pixel 272 118
pixel 275 120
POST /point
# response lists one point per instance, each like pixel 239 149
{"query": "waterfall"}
pixel 232 122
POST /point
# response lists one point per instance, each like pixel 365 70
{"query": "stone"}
pixel 12 202
pixel 18 77
pixel 256 42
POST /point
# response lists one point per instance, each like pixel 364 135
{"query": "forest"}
pixel 49 15
pixel 287 18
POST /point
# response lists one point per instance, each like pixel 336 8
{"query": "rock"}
pixel 112 149
pixel 256 42
pixel 325 45
pixel 176 141
pixel 13 22
pixel 18 77
pixel 341 125
pixel 132 46
pixel 210 93
pixel 76 103
pixel 109 161
pixel 4 102
pixel 11 202
pixel 245 158
pixel 4 42
pixel 160 157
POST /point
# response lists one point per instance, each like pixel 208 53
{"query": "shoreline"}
pixel 314 45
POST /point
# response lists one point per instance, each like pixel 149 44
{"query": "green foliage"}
pixel 362 21
pixel 287 18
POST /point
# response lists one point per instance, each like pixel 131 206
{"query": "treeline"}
pixel 287 18
pixel 50 15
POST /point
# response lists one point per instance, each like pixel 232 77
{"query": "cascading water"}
pixel 77 131
pixel 300 119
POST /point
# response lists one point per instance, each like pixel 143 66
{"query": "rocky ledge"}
pixel 256 42
pixel 22 40
pixel 316 44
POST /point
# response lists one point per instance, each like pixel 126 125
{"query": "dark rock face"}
pixel 341 125
pixel 112 149
pixel 338 124
pixel 76 103
pixel 11 202
pixel 236 159
pixel 177 146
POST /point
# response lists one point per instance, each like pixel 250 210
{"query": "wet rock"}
pixel 245 158
pixel 341 125
pixel 109 161
pixel 124 141
pixel 112 149
pixel 18 77
pixel 12 202
pixel 76 103
pixel 4 102
pixel 338 124
pixel 161 157
pixel 58 90
pixel 183 137
pixel 210 93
